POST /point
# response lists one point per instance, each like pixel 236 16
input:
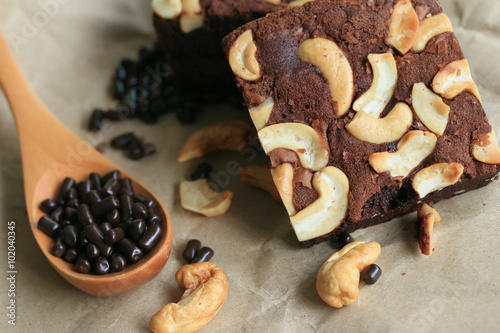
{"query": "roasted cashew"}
pixel 338 279
pixel 224 135
pixel 403 27
pixel 485 149
pixel 242 57
pixel 427 216
pixel 197 196
pixel 436 177
pixel 430 27
pixel 430 108
pixel 205 291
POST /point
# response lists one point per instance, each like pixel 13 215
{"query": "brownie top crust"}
pixel 377 90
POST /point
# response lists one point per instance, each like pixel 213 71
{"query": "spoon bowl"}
pixel 50 152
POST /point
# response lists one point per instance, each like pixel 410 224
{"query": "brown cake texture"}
pixel 367 109
pixel 190 33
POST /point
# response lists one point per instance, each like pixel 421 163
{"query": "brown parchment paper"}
pixel 69 49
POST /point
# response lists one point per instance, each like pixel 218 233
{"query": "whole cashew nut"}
pixel 338 278
pixel 205 291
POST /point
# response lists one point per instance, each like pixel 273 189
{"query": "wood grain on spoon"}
pixel 50 152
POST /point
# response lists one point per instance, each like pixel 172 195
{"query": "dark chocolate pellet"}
pixel 48 205
pixel 137 228
pixel 126 184
pixel 58 248
pixel 113 217
pixel 48 226
pixel 115 174
pixel 371 274
pixel 136 150
pixel 343 239
pixel 101 266
pixel 150 238
pixel 82 239
pixel 70 213
pixel 71 194
pixel 96 120
pixel 130 250
pixel 92 197
pixel 119 89
pixel 204 254
pixel 139 211
pixel 105 227
pixel 149 149
pixel 125 224
pixel 57 214
pixel 66 185
pixel 73 203
pixel 70 235
pixel 95 181
pixel 64 223
pixel 92 251
pixel 111 187
pixel 95 236
pixel 123 141
pixel 105 206
pixel 118 262
pixel 83 188
pixel 153 216
pixel 126 203
pixel 83 265
pixel 84 215
pixel 192 247
pixel 142 199
pixel 113 236
pixel 70 255
pixel 201 171
pixel 115 115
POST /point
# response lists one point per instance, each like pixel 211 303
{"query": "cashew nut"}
pixel 454 78
pixel 260 176
pixel 197 196
pixel 205 291
pixel 274 2
pixel 260 114
pixel 430 108
pixel 167 9
pixel 283 179
pixel 327 212
pixel 385 76
pixel 189 11
pixel 333 64
pixel 297 3
pixel 379 130
pixel 436 177
pixel 404 25
pixel 338 279
pixel 427 216
pixel 242 57
pixel 224 135
pixel 310 146
pixel 413 148
pixel 486 149
pixel 430 27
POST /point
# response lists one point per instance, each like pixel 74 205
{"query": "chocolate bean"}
pixel 48 226
pixel 83 265
pixel 105 206
pixel 71 194
pixel 153 217
pixel 83 188
pixel 82 239
pixel 371 274
pixel 96 120
pixel 92 197
pixel 342 240
pixel 150 238
pixel 58 248
pixel 126 184
pixel 95 236
pixel 142 199
pixel 70 235
pixel 139 211
pixel 116 115
pixel 115 174
pixel 149 149
pixel 123 141
pixel 101 266
pixel 204 254
pixel 130 250
pixel 70 213
pixel 111 187
pixel 70 255
pixel 57 214
pixel 125 225
pixel 202 171
pixel 118 262
pixel 105 227
pixel 64 223
pixel 73 203
pixel 192 247
pixel 136 150
pixel 136 230
pixel 66 185
pixel 95 181
pixel 126 203
pixel 113 236
pixel 92 251
pixel 48 206
pixel 113 217
pixel 84 215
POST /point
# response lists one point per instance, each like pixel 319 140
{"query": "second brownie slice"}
pixel 367 109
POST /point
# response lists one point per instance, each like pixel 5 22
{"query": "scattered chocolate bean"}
pixel 342 240
pixel 101 147
pixel 130 250
pixel 123 141
pixel 58 248
pixel 371 274
pixel 96 120
pixel 192 247
pixel 83 265
pixel 48 226
pixel 149 149
pixel 48 206
pixel 150 238
pixel 70 255
pixel 105 206
pixel 201 171
pixel 101 266
pixel 204 254
pixel 118 262
pixel 70 235
pixel 137 229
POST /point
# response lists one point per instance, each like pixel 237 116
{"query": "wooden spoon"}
pixel 50 152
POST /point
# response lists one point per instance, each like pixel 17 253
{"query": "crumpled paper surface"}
pixel 69 54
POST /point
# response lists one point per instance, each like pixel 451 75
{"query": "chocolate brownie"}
pixel 367 110
pixel 190 33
